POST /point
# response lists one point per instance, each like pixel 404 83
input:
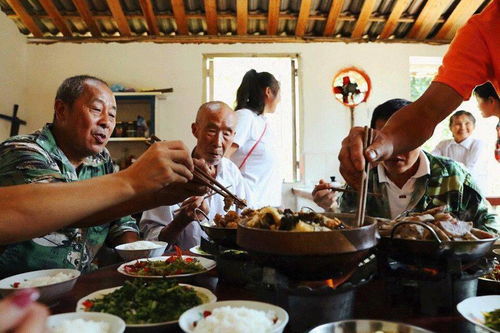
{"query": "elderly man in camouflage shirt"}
pixel 416 181
pixel 70 149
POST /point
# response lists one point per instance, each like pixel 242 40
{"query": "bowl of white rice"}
pixel 51 283
pixel 234 317
pixel 141 249
pixel 85 322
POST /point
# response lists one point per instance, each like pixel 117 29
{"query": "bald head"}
pixel 214 130
pixel 211 108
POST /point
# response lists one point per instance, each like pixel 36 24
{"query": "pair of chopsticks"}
pixel 360 214
pixel 207 179
pixel 205 197
pixel 340 189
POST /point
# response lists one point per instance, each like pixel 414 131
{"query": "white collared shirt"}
pixel 471 152
pixel 399 198
pixel 154 220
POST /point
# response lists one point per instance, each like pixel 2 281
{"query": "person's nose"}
pixel 106 121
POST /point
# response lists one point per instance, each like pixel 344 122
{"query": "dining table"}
pixel 371 300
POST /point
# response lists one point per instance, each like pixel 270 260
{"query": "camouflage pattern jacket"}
pixel 36 158
pixel 449 183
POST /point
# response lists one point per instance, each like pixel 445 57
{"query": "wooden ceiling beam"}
pixel 121 21
pixel 457 18
pixel 273 14
pixel 211 16
pixel 303 20
pixel 25 17
pixel 180 17
pixel 86 15
pixel 333 16
pixel 149 15
pixel 393 20
pixel 427 18
pixel 363 18
pixel 56 17
pixel 196 39
pixel 241 17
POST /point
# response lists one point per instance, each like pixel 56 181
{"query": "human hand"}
pixel 191 207
pixel 164 163
pixel 323 196
pixel 352 157
pixel 20 314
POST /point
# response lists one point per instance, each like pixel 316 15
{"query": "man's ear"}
pixel 194 129
pixel 60 110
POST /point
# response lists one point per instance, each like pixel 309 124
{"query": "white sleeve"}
pixel 154 220
pixel 244 120
pixel 439 149
pixel 477 153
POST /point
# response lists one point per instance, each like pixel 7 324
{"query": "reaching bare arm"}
pixel 408 129
pixel 42 208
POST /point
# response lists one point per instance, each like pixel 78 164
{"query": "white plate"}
pixel 116 324
pixel 206 263
pixel 197 250
pixel 206 295
pixel 48 293
pixel 187 319
pixel 473 309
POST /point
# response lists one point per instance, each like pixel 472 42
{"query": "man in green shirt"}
pixel 72 148
pixel 416 181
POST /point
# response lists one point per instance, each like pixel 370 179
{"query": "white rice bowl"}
pixel 85 322
pixel 141 249
pixel 51 283
pixel 234 317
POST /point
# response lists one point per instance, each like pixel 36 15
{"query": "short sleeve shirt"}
pixel 36 158
pixel 474 54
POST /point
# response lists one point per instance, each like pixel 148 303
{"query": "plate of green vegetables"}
pixel 483 311
pixel 144 303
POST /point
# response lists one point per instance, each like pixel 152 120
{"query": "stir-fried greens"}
pixel 147 302
pixel 492 319
pixel 174 265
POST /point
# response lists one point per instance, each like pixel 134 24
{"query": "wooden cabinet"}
pixel 128 140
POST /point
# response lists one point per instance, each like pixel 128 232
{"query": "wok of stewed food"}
pixel 445 226
pixel 276 219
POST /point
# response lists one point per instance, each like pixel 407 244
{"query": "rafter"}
pixel 25 17
pixel 56 17
pixel 273 14
pixel 241 16
pixel 460 15
pixel 393 20
pixel 427 18
pixel 149 15
pixel 121 21
pixel 180 16
pixel 364 16
pixel 86 15
pixel 211 16
pixel 333 15
pixel 305 11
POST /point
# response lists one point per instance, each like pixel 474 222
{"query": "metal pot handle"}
pixel 307 208
pixel 397 225
pixel 197 210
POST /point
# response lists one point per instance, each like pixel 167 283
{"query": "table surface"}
pixel 370 301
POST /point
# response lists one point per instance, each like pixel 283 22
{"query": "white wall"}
pixel 145 65
pixel 12 72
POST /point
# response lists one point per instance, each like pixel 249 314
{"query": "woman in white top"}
pixel 252 149
pixel 463 148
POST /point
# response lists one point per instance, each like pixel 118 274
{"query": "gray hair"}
pixel 72 88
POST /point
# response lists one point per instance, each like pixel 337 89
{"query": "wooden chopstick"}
pixel 360 214
pixel 205 197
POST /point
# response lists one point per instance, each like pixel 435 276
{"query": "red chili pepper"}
pixel 189 260
pixel 206 314
pixel 88 304
pixel 178 251
pixel 16 284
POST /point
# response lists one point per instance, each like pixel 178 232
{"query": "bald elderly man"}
pixel 214 130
